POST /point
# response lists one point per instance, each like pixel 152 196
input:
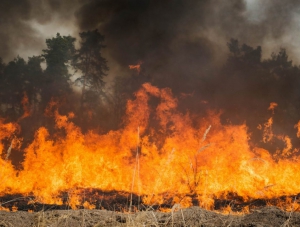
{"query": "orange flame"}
pixel 297 126
pixel 136 67
pixel 25 105
pixel 272 106
pixel 176 157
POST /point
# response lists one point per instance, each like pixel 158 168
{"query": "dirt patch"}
pixel 20 218
pixel 194 216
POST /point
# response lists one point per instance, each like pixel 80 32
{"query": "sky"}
pixel 161 33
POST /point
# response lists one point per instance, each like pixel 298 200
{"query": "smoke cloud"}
pixel 170 34
pixel 162 34
pixel 22 22
pixel 181 44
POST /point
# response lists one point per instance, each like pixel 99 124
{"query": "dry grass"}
pixel 190 217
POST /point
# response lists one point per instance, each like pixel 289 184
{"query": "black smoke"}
pixel 182 44
pixel 171 37
pixel 17 33
pixel 183 40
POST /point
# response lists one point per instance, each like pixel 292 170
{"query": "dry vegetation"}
pixel 194 216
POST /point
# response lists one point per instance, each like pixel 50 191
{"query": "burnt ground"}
pixel 112 210
pixel 194 216
pixel 121 201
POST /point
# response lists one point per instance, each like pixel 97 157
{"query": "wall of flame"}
pixel 175 156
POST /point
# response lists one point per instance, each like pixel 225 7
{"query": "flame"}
pixel 136 67
pixel 159 153
pixel 268 132
pixel 297 126
pixel 272 106
pixel 25 105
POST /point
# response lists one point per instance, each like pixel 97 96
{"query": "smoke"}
pixel 180 43
pixel 25 24
pixel 182 40
pixel 163 34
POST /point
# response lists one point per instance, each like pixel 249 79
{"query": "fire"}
pixel 297 126
pixel 160 153
pixel 136 67
pixel 25 104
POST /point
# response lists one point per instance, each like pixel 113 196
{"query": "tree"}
pixel 90 62
pixel 279 63
pixel 2 82
pixel 233 46
pixel 34 80
pixel 58 55
pixel 14 86
pixel 19 79
pixel 244 53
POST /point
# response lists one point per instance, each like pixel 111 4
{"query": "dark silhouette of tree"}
pixel 2 83
pixel 91 64
pixel 34 82
pixel 247 85
pixel 278 63
pixel 59 56
pixel 124 88
pixel 244 53
pixel 243 79
pixel 2 66
pixel 233 46
pixel 19 79
pixel 14 87
pixel 285 81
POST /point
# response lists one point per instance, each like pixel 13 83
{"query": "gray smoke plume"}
pixel 162 34
pixel 174 32
pixel 181 43
pixel 24 25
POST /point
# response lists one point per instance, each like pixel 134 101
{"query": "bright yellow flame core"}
pixel 130 159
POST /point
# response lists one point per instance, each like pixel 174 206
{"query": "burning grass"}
pixel 160 156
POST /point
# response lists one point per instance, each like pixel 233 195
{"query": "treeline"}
pixel 243 87
pixel 247 84
pixel 20 78
pixel 30 85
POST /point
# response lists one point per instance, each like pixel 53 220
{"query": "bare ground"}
pixel 194 216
